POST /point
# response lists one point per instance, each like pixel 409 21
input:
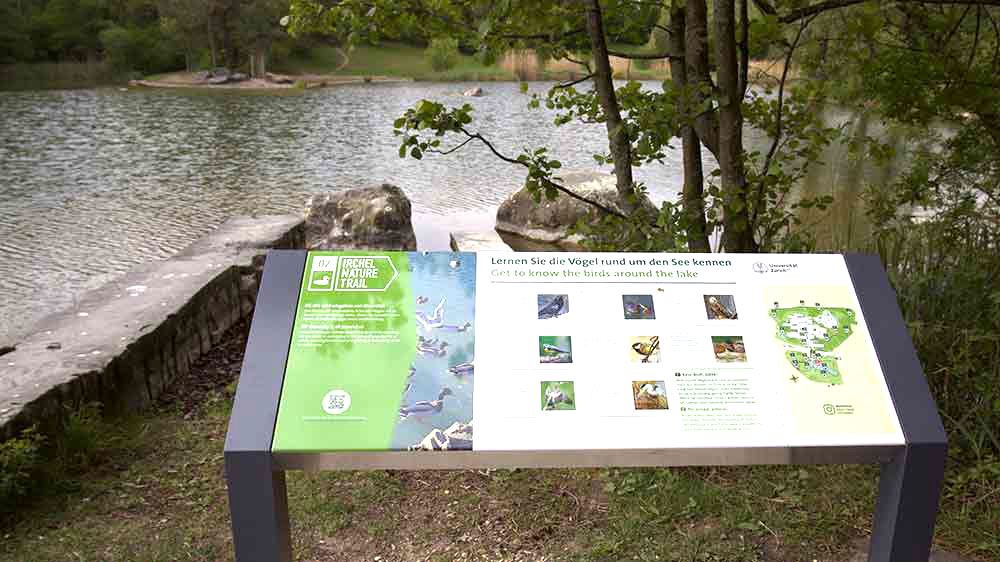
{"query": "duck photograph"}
pixel 638 307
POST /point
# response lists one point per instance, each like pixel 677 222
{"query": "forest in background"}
pixel 129 38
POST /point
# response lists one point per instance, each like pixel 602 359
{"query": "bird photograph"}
pixel 644 349
pixel 552 306
pixel 720 307
pixel 649 395
pixel 555 349
pixel 638 307
pixel 558 395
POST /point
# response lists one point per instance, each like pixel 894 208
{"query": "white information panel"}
pixel 606 351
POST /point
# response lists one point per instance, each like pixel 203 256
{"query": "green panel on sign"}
pixel 352 345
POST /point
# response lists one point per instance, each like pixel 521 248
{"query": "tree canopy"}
pixel 844 51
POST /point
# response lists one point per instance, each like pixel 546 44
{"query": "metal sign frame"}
pixel 909 483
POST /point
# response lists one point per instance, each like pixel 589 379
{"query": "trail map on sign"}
pixel 811 335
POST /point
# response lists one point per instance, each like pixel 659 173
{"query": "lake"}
pixel 97 181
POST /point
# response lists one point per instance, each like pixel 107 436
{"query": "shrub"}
pixel 81 435
pixel 20 460
pixel 443 53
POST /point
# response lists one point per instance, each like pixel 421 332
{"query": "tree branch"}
pixel 574 82
pixel 766 167
pixel 450 150
pixel 975 42
pixel 828 5
pixel 547 181
pixel 584 64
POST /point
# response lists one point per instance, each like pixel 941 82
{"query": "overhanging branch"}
pixel 476 136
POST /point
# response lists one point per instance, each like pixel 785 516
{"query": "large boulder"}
pixel 549 221
pixel 366 218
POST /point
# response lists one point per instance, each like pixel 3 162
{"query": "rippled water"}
pixel 93 182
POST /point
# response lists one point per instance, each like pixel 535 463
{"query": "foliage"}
pixel 20 460
pixel 144 50
pixel 443 53
pixel 79 440
pixel 946 271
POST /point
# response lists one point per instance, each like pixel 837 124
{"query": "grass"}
pixel 151 487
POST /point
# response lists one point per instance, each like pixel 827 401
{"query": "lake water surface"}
pixel 94 182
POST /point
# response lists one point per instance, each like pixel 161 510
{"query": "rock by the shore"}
pixel 278 78
pixel 549 221
pixel 473 92
pixel 367 218
pixel 488 241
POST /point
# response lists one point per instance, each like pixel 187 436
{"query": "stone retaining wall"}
pixel 126 341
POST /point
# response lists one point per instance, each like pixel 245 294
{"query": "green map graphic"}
pixel 811 335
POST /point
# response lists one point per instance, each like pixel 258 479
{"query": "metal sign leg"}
pixel 908 496
pixel 258 505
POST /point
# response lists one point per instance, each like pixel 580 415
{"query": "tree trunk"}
pixel 211 41
pixel 698 72
pixel 693 197
pixel 737 235
pixel 618 141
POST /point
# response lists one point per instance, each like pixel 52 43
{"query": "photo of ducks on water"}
pixel 435 409
pixel 552 306
pixel 638 307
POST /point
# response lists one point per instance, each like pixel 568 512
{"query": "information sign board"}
pixel 561 351
pixel 366 359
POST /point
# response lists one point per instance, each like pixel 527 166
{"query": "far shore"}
pixel 275 81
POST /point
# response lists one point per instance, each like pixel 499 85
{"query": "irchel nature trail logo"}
pixel 351 273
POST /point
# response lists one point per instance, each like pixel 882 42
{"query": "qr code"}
pixel 336 402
